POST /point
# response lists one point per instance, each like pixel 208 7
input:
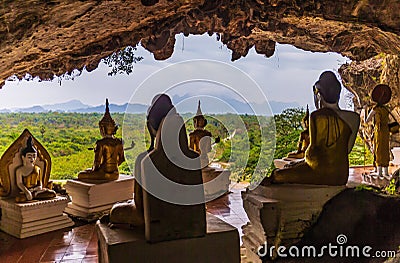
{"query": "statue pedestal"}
pixel 216 182
pixel 375 180
pixel 37 217
pixel 91 201
pixel 220 244
pixel 279 214
pixel 280 163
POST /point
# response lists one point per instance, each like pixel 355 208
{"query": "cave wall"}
pixel 360 77
pixel 53 37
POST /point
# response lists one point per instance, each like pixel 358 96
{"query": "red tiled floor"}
pixel 79 244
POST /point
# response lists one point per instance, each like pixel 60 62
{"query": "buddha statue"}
pixel 173 196
pixel 332 135
pixel 132 212
pixel 29 177
pixel 200 138
pixel 109 153
pixel 381 95
pixel 304 139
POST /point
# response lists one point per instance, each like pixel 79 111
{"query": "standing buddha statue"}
pixel 381 95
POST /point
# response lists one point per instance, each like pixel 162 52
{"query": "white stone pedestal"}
pixel 220 244
pixel 91 201
pixel 37 217
pixel 279 214
pixel 216 182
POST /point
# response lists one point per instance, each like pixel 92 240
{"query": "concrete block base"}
pixel 220 244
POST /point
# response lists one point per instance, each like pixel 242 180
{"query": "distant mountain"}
pixel 184 104
pixel 79 107
pixel 133 108
pixel 34 109
pixel 66 106
pixel 188 104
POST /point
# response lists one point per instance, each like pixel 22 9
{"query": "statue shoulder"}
pixel 107 141
pixel 322 112
pixel 200 133
pixel 36 168
pixel 350 114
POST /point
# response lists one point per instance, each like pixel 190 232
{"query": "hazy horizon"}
pixel 287 76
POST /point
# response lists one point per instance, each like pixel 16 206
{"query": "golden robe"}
pixel 33 179
pixel 381 136
pixel 326 158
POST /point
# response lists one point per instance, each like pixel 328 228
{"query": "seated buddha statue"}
pixel 29 177
pixel 304 139
pixel 200 138
pixel 132 212
pixel 109 153
pixel 332 135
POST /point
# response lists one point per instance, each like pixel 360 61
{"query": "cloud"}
pixel 287 76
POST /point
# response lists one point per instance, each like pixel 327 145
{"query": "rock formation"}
pixel 54 37
pixel 360 77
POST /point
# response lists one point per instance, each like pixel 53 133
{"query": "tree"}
pixel 42 130
pixel 122 61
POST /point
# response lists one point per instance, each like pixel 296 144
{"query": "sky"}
pixel 287 76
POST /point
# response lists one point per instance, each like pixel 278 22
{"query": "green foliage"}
pixel 391 189
pixel 122 61
pixel 363 187
pixel 288 129
pixel 247 142
pixel 66 136
pixel 360 155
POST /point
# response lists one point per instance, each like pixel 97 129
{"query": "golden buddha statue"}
pixel 304 139
pixel 332 135
pixel 28 177
pixel 381 95
pixel 200 138
pixel 109 153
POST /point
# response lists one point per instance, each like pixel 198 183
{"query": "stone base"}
pixel 87 214
pixel 221 244
pixel 280 214
pixel 91 201
pixel 280 163
pixel 376 180
pixel 216 182
pixel 29 219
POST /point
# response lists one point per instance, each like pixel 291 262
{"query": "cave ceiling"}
pixel 48 38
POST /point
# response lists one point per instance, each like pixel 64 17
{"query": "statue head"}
pixel 107 124
pixel 160 106
pixel 199 122
pixel 326 89
pixel 29 153
pixel 381 94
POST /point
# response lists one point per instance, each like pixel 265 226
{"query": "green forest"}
pixel 246 146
